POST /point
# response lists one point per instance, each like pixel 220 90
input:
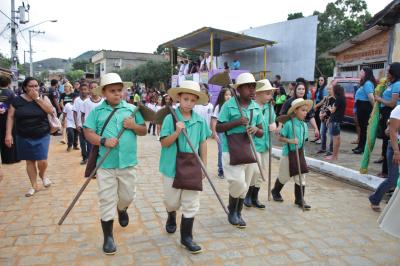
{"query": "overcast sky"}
pixel 142 25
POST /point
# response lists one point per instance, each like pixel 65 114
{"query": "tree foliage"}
pixel 340 21
pixel 295 15
pixel 83 65
pixel 151 73
pixel 75 74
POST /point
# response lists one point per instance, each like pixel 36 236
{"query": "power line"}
pixel 8 17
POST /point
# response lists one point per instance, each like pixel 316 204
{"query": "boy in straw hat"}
pixel 172 142
pixel 264 96
pixel 299 109
pixel 116 178
pixel 231 123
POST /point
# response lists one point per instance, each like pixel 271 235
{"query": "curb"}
pixel 367 181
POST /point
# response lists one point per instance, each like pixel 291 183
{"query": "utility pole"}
pixel 30 50
pixel 14 44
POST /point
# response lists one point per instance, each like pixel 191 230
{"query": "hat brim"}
pixel 258 85
pixel 308 103
pixel 99 89
pixel 174 92
pixel 266 89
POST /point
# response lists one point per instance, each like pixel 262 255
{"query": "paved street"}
pixel 346 157
pixel 339 230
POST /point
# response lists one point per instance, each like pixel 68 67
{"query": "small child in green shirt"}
pixel 299 108
pixel 264 98
pixel 173 142
pixel 116 177
pixel 238 171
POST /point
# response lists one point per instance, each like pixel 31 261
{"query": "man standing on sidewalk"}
pixel 78 108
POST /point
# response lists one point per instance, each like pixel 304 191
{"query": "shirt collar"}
pixel 105 105
pixel 193 119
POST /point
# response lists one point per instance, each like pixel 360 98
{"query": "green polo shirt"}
pixel 198 132
pixel 301 131
pixel 262 144
pixel 125 153
pixel 230 112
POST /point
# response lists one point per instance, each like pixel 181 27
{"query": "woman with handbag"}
pixel 288 163
pixel 30 112
pixel 237 156
pixel 183 177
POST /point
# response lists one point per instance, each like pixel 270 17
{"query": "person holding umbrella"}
pixel 293 133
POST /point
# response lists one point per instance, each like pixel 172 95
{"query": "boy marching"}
pixel 116 178
pixel 299 109
pixel 237 157
pixel 174 145
pixel 264 96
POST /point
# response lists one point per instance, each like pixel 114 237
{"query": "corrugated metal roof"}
pixel 199 40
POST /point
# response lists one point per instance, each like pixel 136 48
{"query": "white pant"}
pixel 175 198
pixel 284 174
pixel 256 178
pixel 238 176
pixel 117 189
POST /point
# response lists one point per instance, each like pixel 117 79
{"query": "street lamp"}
pixel 30 42
pixel 40 23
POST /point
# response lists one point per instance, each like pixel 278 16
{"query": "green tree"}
pixel 340 21
pixel 295 15
pixel 75 74
pixel 161 50
pixel 81 65
pixel 151 73
pixel 44 75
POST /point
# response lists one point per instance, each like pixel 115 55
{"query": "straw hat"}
pixel 266 86
pixel 110 78
pixel 188 86
pixel 300 102
pixel 245 78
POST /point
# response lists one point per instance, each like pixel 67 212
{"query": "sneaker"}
pixel 221 175
pixel 69 149
pixel 46 182
pixel 63 142
pixel 328 153
pixel 30 192
pixel 83 161
pixel 321 151
pixel 76 148
pixel 158 138
pixel 318 141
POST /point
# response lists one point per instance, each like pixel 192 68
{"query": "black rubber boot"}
pixel 187 236
pixel 170 226
pixel 123 217
pixel 297 195
pixel 247 199
pixel 232 208
pixel 276 191
pixel 254 199
pixel 242 223
pixel 109 247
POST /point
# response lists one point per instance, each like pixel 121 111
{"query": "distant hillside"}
pixel 86 56
pixel 51 64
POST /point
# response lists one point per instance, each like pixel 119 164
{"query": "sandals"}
pixel 375 208
pixel 30 192
pixel 46 182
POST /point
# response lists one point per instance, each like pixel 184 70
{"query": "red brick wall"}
pixel 375 47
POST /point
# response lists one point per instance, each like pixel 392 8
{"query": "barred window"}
pixel 348 68
pixel 380 65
